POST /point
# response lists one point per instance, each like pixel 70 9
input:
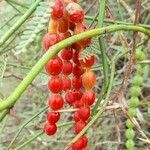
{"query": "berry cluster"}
pixel 135 91
pixel 71 75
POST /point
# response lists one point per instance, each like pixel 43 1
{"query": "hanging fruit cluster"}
pixel 70 75
pixel 135 91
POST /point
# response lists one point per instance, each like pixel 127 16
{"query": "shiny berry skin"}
pixel 66 83
pixel 50 129
pixel 67 67
pixel 76 117
pixel 135 91
pixel 78 145
pixel 78 71
pixel 79 126
pixel 63 25
pixel 84 113
pixel 88 97
pixel 77 94
pixel 55 84
pixel 49 40
pixel 78 104
pixel 76 58
pixel 88 79
pixel 56 102
pixel 130 134
pixel 53 117
pixel 85 140
pixel 69 97
pixel 85 42
pixel 134 102
pixel 58 10
pixel 54 66
pixel 77 82
pixel 67 54
pixel 75 12
pixel 87 62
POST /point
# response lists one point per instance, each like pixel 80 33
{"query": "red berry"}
pixel 75 12
pixel 76 117
pixel 76 47
pixel 53 26
pixel 78 71
pixel 77 94
pixel 63 36
pixel 58 9
pixel 79 126
pixel 67 54
pixel 76 58
pixel 50 129
pixel 85 42
pixel 88 79
pixel 53 117
pixel 78 104
pixel 55 84
pixel 56 102
pixel 78 145
pixel 54 66
pixel 69 97
pixel 88 97
pixel 85 140
pixel 49 40
pixel 66 83
pixel 84 113
pixel 63 25
pixel 87 62
pixel 77 82
pixel 67 67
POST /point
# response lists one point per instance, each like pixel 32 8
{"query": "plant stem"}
pixel 15 27
pixel 3 114
pixel 11 100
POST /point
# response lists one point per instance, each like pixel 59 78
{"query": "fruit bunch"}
pixel 135 91
pixel 72 80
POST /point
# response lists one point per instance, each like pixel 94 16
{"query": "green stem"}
pixel 11 100
pixel 15 27
pixel 39 134
pixel 3 114
pixel 118 22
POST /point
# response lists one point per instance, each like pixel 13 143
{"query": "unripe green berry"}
pixel 139 69
pixel 135 91
pixel 137 80
pixel 134 102
pixel 129 133
pixel 129 123
pixel 132 112
pixel 140 55
pixel 130 144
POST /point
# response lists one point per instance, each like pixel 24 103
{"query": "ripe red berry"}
pixel 77 82
pixel 76 117
pixel 49 40
pixel 66 83
pixel 78 104
pixel 67 67
pixel 56 102
pixel 87 62
pixel 78 71
pixel 53 117
pixel 78 145
pixel 58 9
pixel 54 66
pixel 79 126
pixel 55 84
pixel 88 97
pixel 63 36
pixel 84 113
pixel 77 94
pixel 85 140
pixel 76 58
pixel 69 97
pixel 50 129
pixel 85 42
pixel 63 25
pixel 75 12
pixel 88 79
pixel 67 54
